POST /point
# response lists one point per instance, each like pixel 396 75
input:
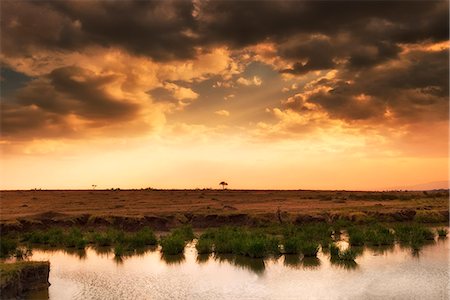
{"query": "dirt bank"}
pixel 164 209
pixel 21 277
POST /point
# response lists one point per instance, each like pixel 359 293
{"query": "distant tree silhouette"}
pixel 223 184
pixel 94 186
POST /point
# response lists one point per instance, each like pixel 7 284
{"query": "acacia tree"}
pixel 223 184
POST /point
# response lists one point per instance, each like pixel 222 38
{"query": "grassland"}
pixel 166 209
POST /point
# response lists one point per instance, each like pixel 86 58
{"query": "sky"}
pixel 260 94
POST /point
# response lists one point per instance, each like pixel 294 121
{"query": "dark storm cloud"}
pixel 247 22
pixel 26 121
pixel 47 102
pixel 157 29
pixel 359 39
pixel 416 90
pixel 317 54
pixel 78 91
pixel 165 30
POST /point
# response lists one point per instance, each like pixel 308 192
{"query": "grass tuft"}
pixel 442 232
pixel 172 245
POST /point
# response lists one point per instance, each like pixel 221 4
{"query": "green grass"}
pixel 7 246
pixel 255 247
pixel 118 251
pixel 75 239
pixel 442 232
pixel 413 235
pixel 309 249
pixel 334 251
pixel 172 245
pixel 104 239
pixel 185 232
pixel 144 237
pixel 204 246
pixel 239 241
pixel 356 236
pixel 379 236
pixel 291 245
pixel 319 232
pixel 348 254
pixel 259 242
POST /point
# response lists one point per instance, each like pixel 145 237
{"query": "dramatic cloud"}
pixel 291 67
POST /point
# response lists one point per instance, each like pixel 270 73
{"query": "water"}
pixel 393 273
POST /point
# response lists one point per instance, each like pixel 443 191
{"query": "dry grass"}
pixel 138 203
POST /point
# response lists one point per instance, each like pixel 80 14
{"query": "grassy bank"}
pixel 254 242
pixel 20 277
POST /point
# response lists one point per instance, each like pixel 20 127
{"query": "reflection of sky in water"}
pixel 380 273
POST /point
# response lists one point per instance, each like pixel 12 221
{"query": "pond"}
pixel 379 273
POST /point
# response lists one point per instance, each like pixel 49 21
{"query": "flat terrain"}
pixel 186 205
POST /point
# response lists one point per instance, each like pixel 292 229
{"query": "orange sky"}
pixel 187 94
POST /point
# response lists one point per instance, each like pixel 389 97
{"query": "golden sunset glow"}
pixel 181 94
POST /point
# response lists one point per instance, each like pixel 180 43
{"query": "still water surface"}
pixel 393 273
